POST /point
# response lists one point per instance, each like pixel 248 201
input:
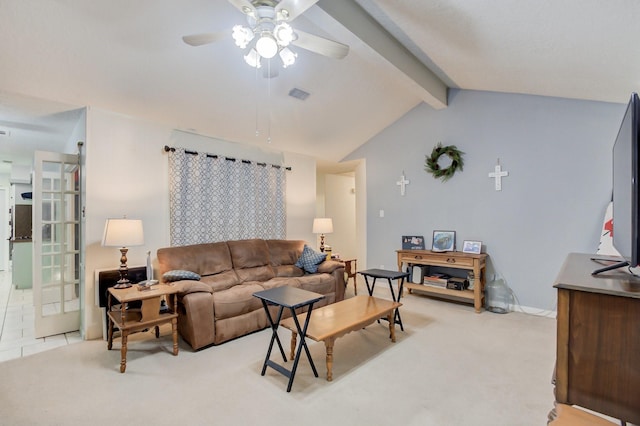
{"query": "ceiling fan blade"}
pixel 293 8
pixel 201 39
pixel 321 45
pixel 244 6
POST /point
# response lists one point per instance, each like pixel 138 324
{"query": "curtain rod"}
pixel 172 149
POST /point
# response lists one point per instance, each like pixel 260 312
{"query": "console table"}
pixel 598 349
pixel 456 260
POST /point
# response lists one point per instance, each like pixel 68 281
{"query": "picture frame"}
pixel 412 242
pixel 443 241
pixel 473 247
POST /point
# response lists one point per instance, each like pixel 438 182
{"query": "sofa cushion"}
pixel 221 281
pixel 179 274
pixel 318 283
pixel 251 260
pixel 248 253
pixel 285 252
pixel 280 282
pixel 288 271
pixel 203 259
pixel 237 300
pixel 309 260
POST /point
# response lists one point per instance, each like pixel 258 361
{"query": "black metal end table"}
pixel 389 276
pixel 291 298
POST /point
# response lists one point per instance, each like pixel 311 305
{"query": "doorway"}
pixel 342 197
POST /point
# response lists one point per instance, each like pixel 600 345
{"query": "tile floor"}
pixel 17 324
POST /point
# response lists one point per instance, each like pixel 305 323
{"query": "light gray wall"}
pixel 558 155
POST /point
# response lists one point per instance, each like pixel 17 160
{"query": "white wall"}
pixel 361 214
pixel 4 228
pixel 557 153
pixel 127 174
pixel 340 206
pixel 301 197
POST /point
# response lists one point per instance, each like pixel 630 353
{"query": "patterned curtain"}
pixel 215 199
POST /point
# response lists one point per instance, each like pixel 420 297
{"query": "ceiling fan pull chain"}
pixel 255 96
pixel 269 102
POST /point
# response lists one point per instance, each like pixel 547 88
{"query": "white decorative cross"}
pixel 403 182
pixel 498 174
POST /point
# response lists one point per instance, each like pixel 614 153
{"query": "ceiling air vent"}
pixel 298 94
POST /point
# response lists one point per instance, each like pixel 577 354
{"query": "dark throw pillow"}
pixel 178 274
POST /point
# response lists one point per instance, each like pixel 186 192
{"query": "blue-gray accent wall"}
pixel 558 155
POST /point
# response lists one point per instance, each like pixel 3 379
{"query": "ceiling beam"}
pixel 431 89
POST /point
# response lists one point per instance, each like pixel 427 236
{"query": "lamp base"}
pixel 123 284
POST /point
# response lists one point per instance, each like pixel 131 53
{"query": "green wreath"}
pixel 432 166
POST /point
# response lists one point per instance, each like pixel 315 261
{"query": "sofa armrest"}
pixel 336 269
pixel 192 286
pixel 196 318
pixel 328 266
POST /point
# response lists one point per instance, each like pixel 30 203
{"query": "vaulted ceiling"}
pixel 128 57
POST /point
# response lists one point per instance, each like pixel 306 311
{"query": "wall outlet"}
pixel 381 213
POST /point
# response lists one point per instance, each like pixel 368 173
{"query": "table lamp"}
pixel 123 233
pixel 322 225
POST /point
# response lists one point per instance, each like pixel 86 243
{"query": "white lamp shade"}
pixel 322 225
pixel 283 34
pixel 123 233
pixel 242 36
pixel 252 58
pixel 288 57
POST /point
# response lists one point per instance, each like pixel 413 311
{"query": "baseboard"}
pixel 533 311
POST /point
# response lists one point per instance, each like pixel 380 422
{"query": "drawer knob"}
pixel 417 256
pixel 451 260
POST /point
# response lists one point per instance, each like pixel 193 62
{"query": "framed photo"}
pixel 471 246
pixel 412 242
pixel 444 241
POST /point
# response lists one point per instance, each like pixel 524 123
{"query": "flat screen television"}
pixel 626 188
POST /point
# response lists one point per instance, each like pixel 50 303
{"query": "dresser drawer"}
pixel 437 259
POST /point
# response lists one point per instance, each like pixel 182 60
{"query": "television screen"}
pixel 625 185
pixel 626 189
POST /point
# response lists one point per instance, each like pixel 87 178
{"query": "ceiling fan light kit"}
pixel 288 57
pixel 242 36
pixel 252 58
pixel 267 46
pixel 269 34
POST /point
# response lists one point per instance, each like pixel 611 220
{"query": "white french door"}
pixel 56 243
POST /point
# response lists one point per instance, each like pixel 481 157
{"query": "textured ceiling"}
pixel 128 56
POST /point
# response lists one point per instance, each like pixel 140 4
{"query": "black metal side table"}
pixel 389 275
pixel 291 298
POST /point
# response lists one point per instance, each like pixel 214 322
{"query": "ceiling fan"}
pixel 269 33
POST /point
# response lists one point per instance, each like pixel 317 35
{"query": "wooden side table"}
pixel 351 271
pixel 147 316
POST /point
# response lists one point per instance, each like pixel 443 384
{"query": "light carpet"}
pixel 450 366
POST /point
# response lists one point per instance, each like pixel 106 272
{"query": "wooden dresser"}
pixel 598 339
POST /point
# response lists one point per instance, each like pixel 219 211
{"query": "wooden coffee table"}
pixel 335 320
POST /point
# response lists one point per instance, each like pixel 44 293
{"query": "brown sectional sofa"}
pixel 221 306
